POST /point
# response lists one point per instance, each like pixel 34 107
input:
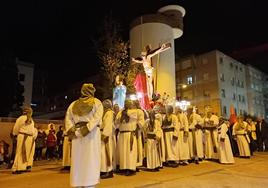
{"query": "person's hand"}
pixel 78 134
pixel 222 139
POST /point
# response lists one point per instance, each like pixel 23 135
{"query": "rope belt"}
pixel 168 129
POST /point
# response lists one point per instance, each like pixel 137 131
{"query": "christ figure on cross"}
pixel 146 60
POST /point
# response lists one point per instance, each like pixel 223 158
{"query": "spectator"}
pixel 40 143
pixel 51 144
pixel 4 156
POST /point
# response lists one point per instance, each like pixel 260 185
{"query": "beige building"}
pixel 256 82
pixel 213 79
pixel 26 75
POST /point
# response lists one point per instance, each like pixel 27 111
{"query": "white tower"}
pixel 155 29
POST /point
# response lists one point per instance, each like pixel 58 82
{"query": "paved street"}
pixel 245 173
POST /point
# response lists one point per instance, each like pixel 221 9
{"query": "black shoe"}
pixel 16 172
pixel 66 168
pixel 130 173
pixel 172 164
pixel 196 162
pixel 28 169
pixel 107 175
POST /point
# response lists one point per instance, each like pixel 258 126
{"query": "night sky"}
pixel 56 35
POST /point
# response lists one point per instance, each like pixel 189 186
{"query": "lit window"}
pixel 189 79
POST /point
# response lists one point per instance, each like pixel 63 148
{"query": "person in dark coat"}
pixel 262 134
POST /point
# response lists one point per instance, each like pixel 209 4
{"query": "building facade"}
pixel 26 76
pixel 221 82
pixel 256 91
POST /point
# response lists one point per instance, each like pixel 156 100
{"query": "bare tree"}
pixel 112 51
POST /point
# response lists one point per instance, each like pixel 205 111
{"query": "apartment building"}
pixel 218 80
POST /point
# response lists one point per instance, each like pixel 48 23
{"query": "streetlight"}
pixel 183 104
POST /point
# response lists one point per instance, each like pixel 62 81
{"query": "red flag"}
pixel 233 117
pixel 141 88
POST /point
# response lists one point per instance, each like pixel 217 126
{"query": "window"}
pixel 204 61
pixel 205 76
pixel 231 65
pixel 189 79
pixel 241 69
pixel 221 60
pixel 236 67
pixel 186 64
pixel 243 98
pixel 237 83
pixel 206 93
pixel 222 77
pixel 232 81
pixel 223 93
pixel 239 98
pixel 234 96
pixel 242 84
pixel 22 77
pixel 224 110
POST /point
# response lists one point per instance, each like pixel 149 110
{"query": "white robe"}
pixel 184 153
pixel 86 151
pixel 66 153
pixel 196 137
pixel 107 130
pixel 162 140
pixel 140 148
pixel 172 146
pixel 211 136
pixel 153 153
pixel 242 139
pixel 32 145
pixel 225 150
pixel 21 129
pixel 127 157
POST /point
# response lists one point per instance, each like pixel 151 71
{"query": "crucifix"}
pixel 146 60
